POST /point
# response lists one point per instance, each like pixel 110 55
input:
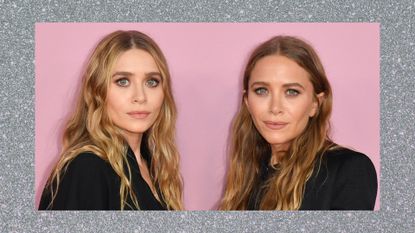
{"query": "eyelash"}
pixel 296 92
pixel 289 92
pixel 118 82
pixel 155 82
pixel 257 91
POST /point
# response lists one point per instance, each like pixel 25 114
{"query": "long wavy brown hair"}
pixel 90 130
pixel 284 190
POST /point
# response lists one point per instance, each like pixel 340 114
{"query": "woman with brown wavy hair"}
pixel 281 155
pixel 118 148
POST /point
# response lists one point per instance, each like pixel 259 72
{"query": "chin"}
pixel 271 139
pixel 137 129
pixel 276 142
pixel 140 130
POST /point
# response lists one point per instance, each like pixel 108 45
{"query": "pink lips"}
pixel 275 125
pixel 138 114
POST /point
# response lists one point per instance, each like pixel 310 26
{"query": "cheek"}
pixel 156 99
pixel 114 103
pixel 113 95
pixel 256 107
pixel 300 114
pixel 160 99
pixel 112 110
pixel 110 104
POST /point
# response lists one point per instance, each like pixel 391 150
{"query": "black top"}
pixel 346 180
pixel 90 183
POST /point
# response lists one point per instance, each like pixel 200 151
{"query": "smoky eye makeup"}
pixel 122 81
pixel 260 90
pixel 153 79
pixel 122 78
pixel 152 82
pixel 292 92
pixel 293 89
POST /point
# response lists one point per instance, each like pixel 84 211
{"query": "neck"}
pixel 277 152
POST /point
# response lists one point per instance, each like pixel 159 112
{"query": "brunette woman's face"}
pixel 280 99
pixel 135 94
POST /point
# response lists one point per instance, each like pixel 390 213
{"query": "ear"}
pixel 316 104
pixel 245 99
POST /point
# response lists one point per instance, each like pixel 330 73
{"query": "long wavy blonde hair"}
pixel 284 190
pixel 90 129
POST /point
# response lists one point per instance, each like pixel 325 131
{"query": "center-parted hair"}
pixel 284 190
pixel 90 129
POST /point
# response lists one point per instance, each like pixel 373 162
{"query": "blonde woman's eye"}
pixel 152 83
pixel 122 82
pixel 261 91
pixel 292 92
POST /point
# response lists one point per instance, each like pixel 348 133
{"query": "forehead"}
pixel 278 69
pixel 135 60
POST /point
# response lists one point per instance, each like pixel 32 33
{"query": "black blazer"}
pixel 346 180
pixel 90 183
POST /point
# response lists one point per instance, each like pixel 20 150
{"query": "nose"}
pixel 276 104
pixel 139 95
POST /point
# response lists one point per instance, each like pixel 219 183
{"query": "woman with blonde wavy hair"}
pixel 119 150
pixel 281 155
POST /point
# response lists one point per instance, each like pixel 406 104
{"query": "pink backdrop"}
pixel 206 62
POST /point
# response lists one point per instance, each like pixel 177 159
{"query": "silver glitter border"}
pixel 17 115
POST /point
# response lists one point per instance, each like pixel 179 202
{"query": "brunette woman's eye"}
pixel 122 82
pixel 292 92
pixel 152 82
pixel 261 91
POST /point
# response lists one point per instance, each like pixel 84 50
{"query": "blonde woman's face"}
pixel 135 94
pixel 280 99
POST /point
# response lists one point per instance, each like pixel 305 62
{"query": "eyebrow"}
pixel 294 85
pixel 284 85
pixel 122 73
pixel 154 74
pixel 125 73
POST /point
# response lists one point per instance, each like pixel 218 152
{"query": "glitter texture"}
pixel 17 115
